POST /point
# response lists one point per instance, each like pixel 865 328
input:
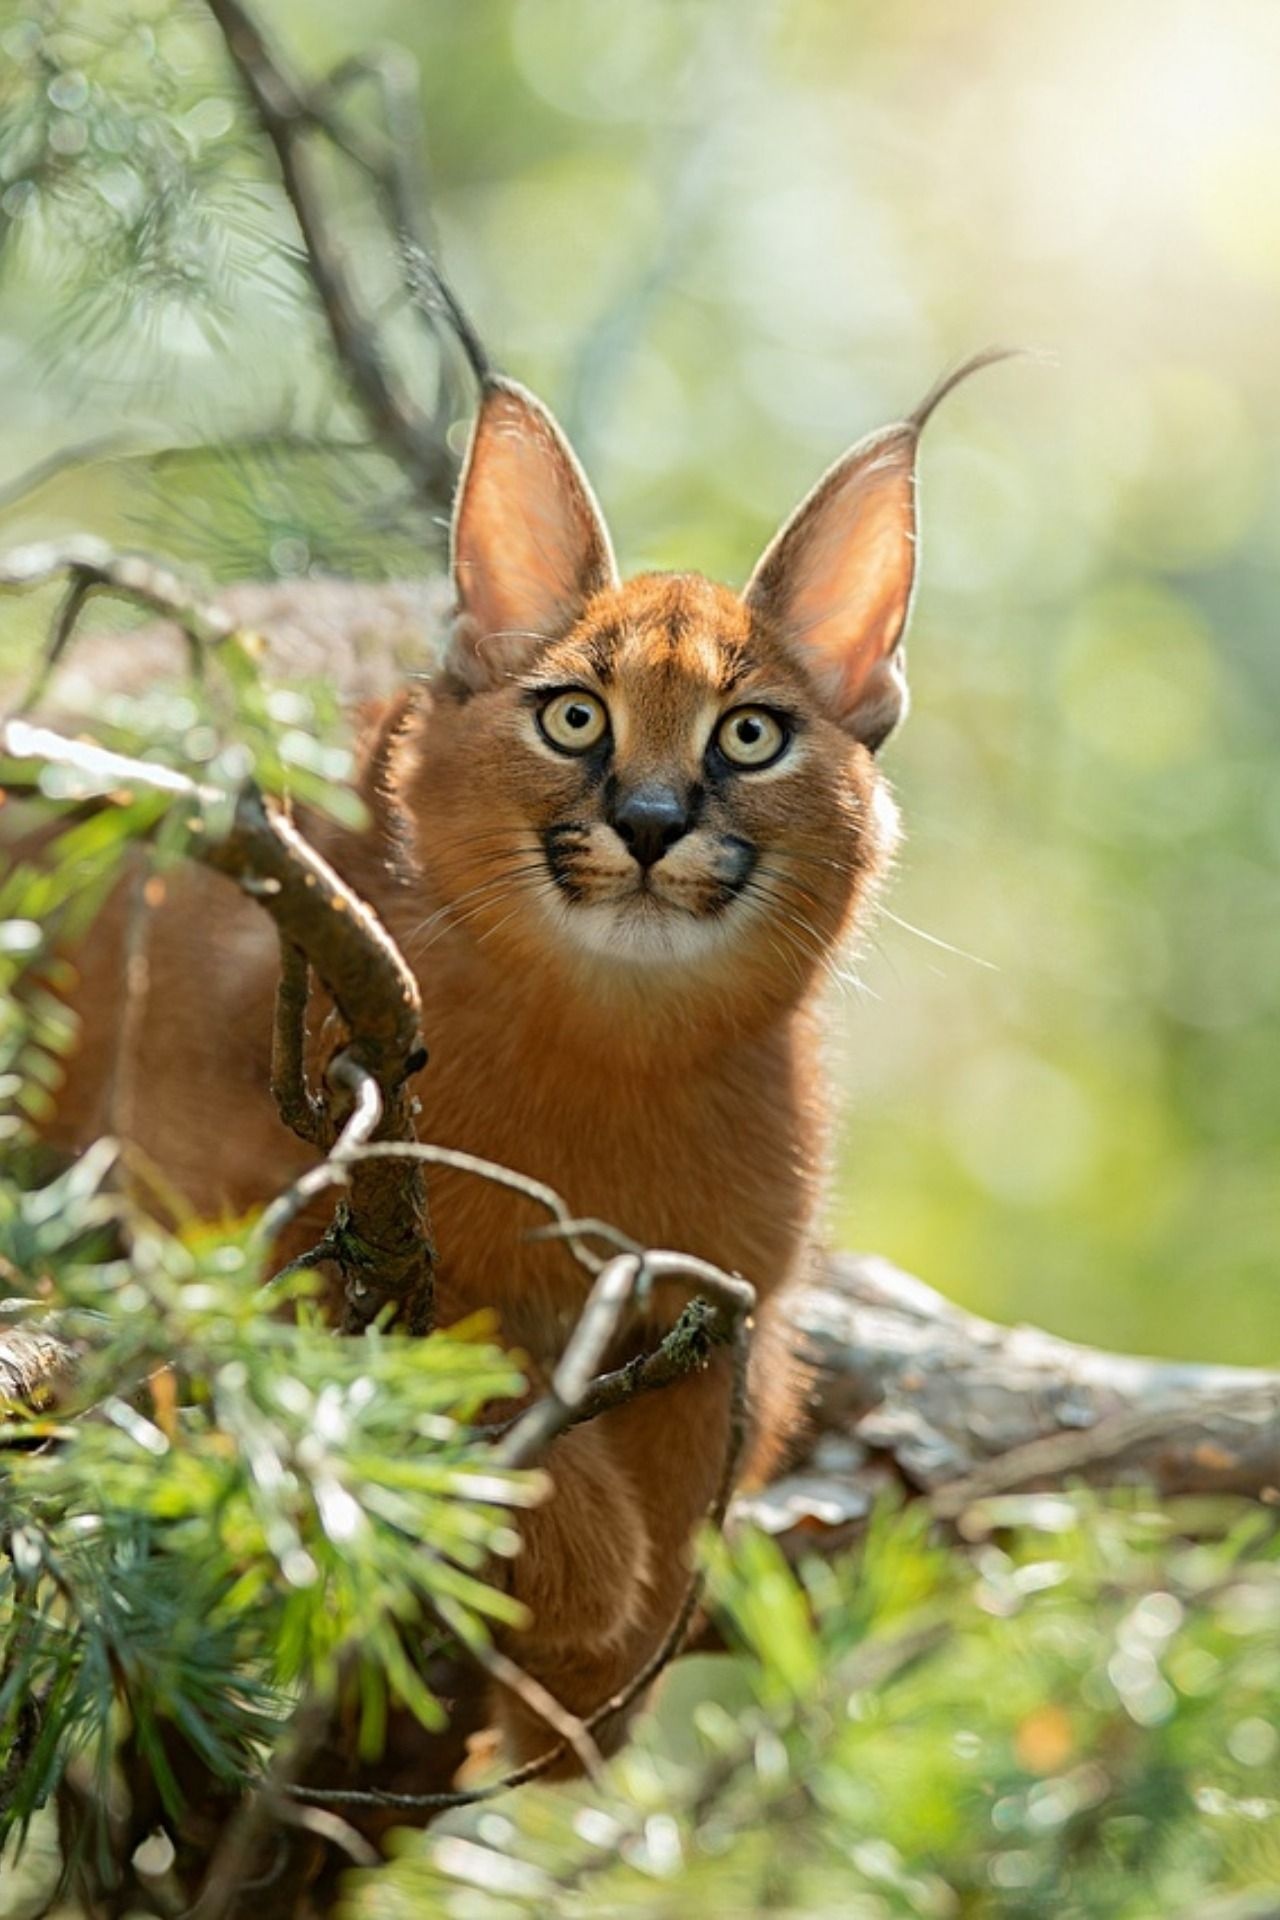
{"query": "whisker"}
pixel 465 919
pixel 934 941
pixel 820 860
pixel 449 906
pixel 812 946
pixel 449 916
pixel 505 921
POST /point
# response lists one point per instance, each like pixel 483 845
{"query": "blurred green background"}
pixel 724 239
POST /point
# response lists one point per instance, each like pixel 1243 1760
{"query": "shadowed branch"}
pixel 291 115
pixel 381 1241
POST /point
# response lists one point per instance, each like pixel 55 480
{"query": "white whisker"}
pixel 934 941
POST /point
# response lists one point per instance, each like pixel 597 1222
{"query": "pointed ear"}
pixel 529 544
pixel 835 583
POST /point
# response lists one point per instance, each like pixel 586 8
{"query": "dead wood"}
pixel 910 1389
pixel 381 1239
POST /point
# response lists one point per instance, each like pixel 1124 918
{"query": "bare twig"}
pixel 683 1350
pixel 397 167
pixel 97 564
pixel 382 1239
pixel 287 115
pixel 334 1172
pixel 616 1287
pixel 640 1681
pixel 296 1104
pixel 567 1728
pixel 93 564
pixel 327 1827
pixel 94 567
pixel 236 1857
pixel 99 765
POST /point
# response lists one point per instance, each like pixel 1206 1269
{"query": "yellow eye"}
pixel 573 722
pixel 752 737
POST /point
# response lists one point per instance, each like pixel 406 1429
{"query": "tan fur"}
pixel 647 1044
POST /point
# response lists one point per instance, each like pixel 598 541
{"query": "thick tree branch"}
pixel 912 1390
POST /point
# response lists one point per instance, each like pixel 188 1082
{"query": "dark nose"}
pixel 649 819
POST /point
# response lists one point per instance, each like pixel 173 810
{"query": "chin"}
pixel 643 933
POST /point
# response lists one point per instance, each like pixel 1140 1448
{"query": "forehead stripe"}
pixel 601 650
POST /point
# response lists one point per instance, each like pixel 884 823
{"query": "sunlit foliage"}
pixel 247 1506
pixel 1079 1723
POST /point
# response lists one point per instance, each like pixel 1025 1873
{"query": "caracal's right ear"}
pixel 530 546
pixel 835 584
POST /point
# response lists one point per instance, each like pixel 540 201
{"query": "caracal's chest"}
pixel 716 1157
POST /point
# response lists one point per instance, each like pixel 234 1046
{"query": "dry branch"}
pixel 381 1241
pixel 90 565
pixel 910 1389
pixel 576 1392
pixel 91 562
pixel 290 115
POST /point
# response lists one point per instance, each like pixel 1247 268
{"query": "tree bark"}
pixel 911 1390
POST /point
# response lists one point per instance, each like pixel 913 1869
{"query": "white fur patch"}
pixel 643 932
pixel 886 821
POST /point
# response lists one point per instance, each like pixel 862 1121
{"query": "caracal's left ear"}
pixel 835 584
pixel 530 546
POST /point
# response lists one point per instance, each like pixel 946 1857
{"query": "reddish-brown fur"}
pixel 645 1042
